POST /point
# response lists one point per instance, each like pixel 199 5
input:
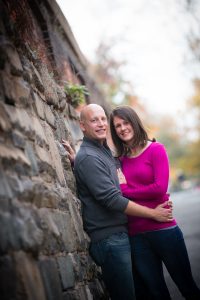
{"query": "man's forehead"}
pixel 96 111
pixel 93 111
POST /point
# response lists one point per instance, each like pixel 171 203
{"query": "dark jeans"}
pixel 113 255
pixel 149 250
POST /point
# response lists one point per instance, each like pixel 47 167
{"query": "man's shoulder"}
pixel 86 150
pixel 85 153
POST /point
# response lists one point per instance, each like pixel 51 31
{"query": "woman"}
pixel 146 169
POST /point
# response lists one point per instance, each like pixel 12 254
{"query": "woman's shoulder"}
pixel 157 146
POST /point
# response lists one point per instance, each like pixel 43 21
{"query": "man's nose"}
pixel 101 122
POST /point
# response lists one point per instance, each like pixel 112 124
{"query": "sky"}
pixel 151 36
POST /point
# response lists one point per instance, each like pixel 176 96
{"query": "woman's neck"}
pixel 136 151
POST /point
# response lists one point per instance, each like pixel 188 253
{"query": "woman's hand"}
pixel 121 177
pixel 70 152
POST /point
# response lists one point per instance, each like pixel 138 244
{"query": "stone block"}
pixel 85 268
pixel 43 154
pixel 15 88
pixel 65 226
pixel 3 58
pixel 21 229
pixel 14 60
pixel 37 80
pixel 50 118
pixel 50 90
pixel 55 157
pixel 20 119
pixel 29 280
pixel 51 278
pixel 66 269
pixel 62 129
pixel 15 184
pixel 74 128
pixel 62 98
pixel 18 139
pixel 53 242
pixel 39 106
pixel 72 113
pixel 32 158
pixel 9 238
pixel 26 226
pixel 39 131
pixel 5 124
pixel 8 278
pixel 82 242
pixel 27 73
pixel 84 293
pixel 98 290
pixel 45 197
pixel 5 191
pixel 11 153
pixel 71 295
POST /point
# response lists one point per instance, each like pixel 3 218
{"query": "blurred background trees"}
pixel 182 142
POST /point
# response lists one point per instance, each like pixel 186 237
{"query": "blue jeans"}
pixel 113 255
pixel 149 250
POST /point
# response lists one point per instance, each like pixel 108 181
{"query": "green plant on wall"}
pixel 75 93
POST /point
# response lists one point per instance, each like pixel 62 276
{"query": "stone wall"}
pixel 43 248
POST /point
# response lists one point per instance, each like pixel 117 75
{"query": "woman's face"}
pixel 124 130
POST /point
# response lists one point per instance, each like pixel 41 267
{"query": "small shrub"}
pixel 75 93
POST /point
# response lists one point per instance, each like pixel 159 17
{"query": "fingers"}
pixel 66 144
pixel 70 151
pixel 170 203
pixel 163 204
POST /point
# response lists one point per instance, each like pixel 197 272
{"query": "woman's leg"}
pixel 149 267
pixel 170 245
pixel 141 290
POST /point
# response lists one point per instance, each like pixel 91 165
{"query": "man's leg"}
pixel 113 254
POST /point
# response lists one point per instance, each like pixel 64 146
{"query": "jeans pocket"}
pixel 98 252
pixel 119 238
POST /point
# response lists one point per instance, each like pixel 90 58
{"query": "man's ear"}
pixel 82 126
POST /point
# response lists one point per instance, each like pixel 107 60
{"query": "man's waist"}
pixel 102 233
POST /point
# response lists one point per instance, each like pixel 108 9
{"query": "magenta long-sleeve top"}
pixel 147 178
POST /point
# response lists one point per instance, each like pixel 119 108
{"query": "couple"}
pixel 152 235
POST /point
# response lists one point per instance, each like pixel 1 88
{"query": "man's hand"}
pixel 163 214
pixel 71 153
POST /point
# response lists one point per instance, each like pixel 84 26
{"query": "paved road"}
pixel 187 214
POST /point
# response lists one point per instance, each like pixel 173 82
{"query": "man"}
pixel 104 209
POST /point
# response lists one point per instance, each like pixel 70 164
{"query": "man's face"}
pixel 95 124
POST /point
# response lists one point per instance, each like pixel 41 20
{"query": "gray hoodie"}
pixel 98 189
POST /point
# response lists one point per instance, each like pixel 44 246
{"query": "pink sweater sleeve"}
pixel 159 186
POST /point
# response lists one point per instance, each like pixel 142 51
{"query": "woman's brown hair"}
pixel 128 114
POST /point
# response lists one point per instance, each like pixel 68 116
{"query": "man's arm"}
pixel 160 213
pixel 96 177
